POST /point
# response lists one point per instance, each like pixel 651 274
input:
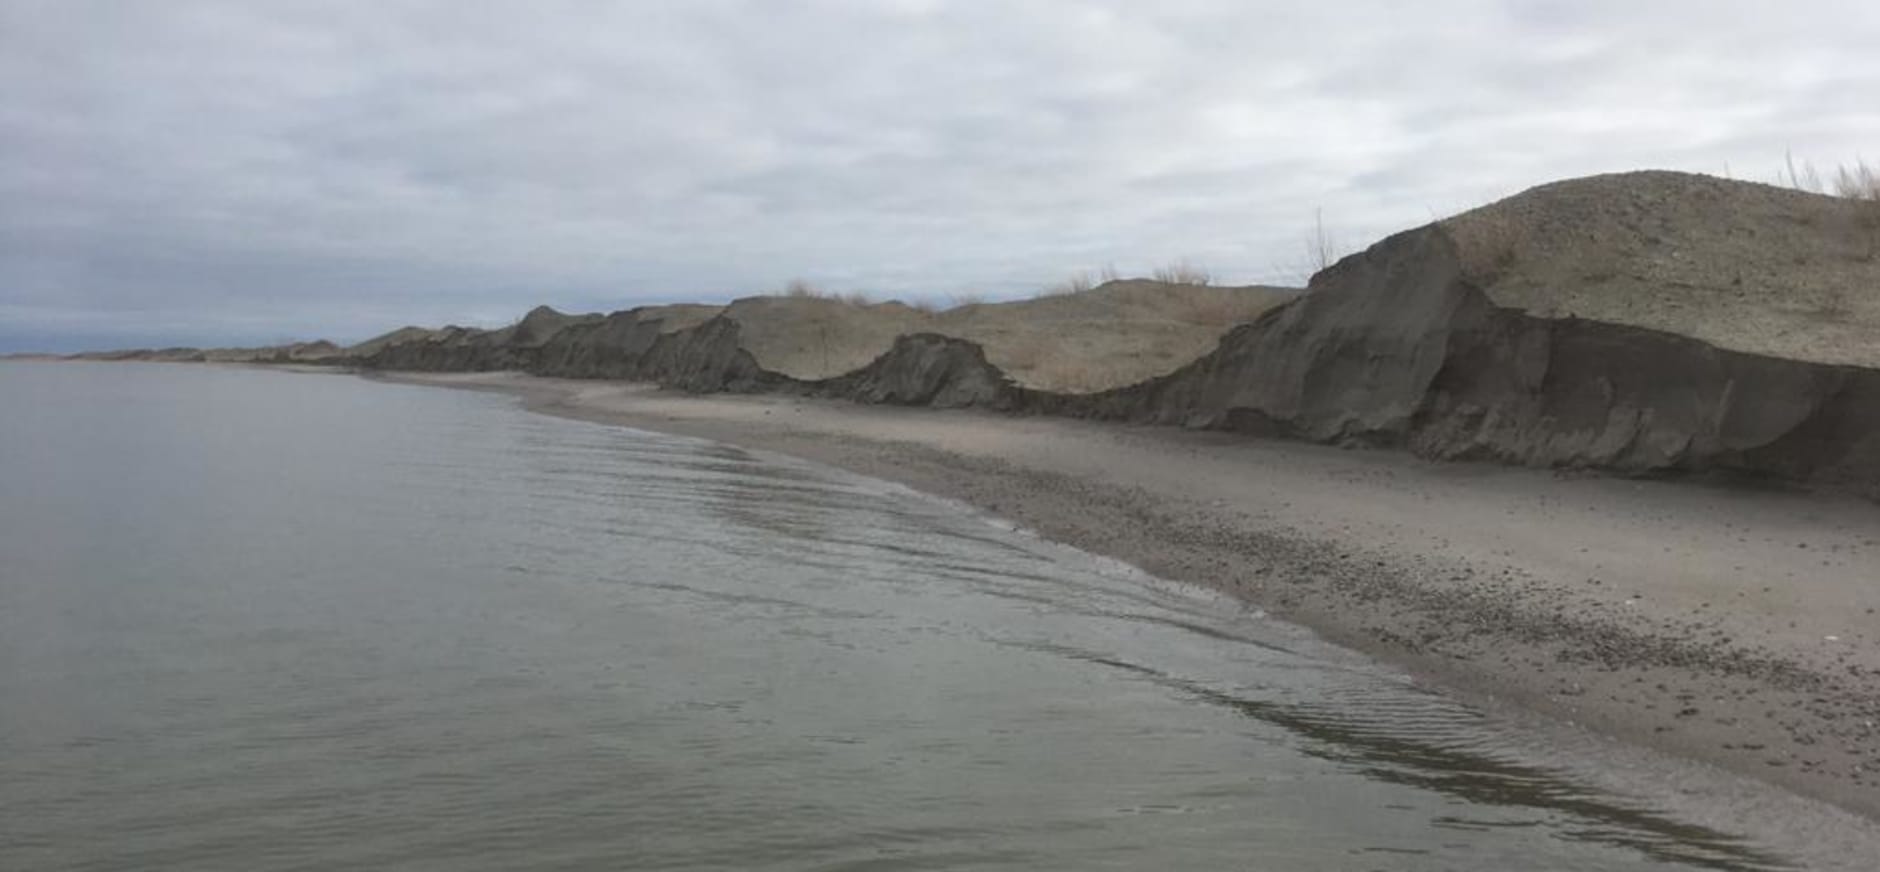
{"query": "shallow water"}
pixel 254 620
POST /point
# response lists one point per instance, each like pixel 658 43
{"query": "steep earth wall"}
pixel 1394 347
pixel 1389 347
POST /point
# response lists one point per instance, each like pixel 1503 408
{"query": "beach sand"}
pixel 1720 624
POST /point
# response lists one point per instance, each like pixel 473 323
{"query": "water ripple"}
pixel 469 638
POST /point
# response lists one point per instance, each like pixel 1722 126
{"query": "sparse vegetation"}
pixel 1859 184
pixel 1322 249
pixel 803 290
pixel 1804 179
pixel 1076 283
pixel 933 306
pixel 1182 273
pixel 1319 248
pixel 1856 182
pixel 1080 281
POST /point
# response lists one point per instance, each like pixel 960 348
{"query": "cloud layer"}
pixel 208 172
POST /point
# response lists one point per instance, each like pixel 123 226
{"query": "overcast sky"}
pixel 216 172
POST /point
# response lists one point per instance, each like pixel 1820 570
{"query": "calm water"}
pixel 255 620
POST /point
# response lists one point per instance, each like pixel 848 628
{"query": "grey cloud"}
pixel 231 171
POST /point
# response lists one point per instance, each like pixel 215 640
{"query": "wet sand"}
pixel 1731 626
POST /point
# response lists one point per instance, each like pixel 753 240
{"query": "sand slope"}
pixel 395 337
pixel 1743 266
pixel 1116 334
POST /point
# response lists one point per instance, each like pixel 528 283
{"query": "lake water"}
pixel 255 620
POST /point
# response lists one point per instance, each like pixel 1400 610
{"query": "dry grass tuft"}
pixel 1807 178
pixel 1857 182
pixel 1860 184
pixel 1076 283
pixel 802 290
pixel 1182 273
pixel 1079 282
pixel 1322 248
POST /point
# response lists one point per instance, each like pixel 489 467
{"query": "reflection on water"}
pixel 257 621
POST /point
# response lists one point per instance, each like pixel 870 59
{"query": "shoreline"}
pixel 1732 627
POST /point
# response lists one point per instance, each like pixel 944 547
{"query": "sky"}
pixel 211 173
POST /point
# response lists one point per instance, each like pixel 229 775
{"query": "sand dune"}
pixel 1743 266
pixel 1116 334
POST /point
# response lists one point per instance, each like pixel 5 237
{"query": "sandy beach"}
pixel 1723 625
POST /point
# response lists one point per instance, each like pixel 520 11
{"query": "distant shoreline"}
pixel 1717 624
